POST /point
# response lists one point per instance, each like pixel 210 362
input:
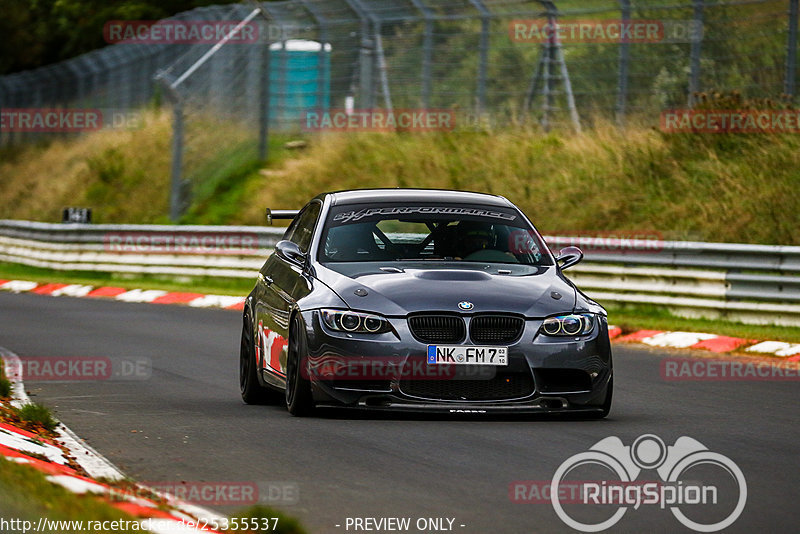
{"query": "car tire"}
pixel 299 401
pixel 252 392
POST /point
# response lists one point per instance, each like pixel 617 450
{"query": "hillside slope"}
pixel 735 188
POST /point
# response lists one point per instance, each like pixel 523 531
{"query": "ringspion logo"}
pixel 691 477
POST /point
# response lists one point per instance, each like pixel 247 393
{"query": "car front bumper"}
pixel 389 372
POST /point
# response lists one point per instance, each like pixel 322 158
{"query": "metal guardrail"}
pixel 757 284
pixel 748 283
pixel 224 251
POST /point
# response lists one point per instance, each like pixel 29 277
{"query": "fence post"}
pixel 694 60
pixel 264 101
pixel 323 66
pixel 10 100
pixel 573 111
pixel 549 54
pixel 791 51
pixel 382 69
pixel 624 63
pixel 366 61
pixel 3 97
pixel 175 195
pixel 427 51
pixel 483 50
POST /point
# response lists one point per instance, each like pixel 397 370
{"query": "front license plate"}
pixel 467 355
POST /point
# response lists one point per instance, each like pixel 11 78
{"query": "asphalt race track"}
pixel 192 426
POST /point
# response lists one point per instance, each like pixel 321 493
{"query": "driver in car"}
pixel 476 243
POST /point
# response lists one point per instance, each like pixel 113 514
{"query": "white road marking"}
pixel 141 295
pixel 73 290
pixel 778 348
pixel 19 286
pixel 13 440
pixel 215 301
pixel 679 340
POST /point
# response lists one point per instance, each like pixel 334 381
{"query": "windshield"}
pixel 431 232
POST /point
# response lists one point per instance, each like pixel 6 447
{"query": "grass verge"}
pixel 27 495
pixel 641 317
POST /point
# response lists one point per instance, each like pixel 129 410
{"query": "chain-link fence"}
pixel 485 62
pixel 116 78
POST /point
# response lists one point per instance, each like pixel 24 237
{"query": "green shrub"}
pixel 5 387
pixel 37 414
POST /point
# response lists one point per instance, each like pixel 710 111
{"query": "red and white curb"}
pixel 21 446
pixel 710 342
pixel 153 296
pixel 654 338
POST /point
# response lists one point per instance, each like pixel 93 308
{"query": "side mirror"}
pixel 290 252
pixel 569 256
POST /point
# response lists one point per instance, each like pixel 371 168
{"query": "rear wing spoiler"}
pixel 280 214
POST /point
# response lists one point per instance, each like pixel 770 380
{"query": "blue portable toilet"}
pixel 300 81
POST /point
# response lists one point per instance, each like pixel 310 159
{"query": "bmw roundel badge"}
pixel 465 305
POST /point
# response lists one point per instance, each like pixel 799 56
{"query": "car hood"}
pixel 538 294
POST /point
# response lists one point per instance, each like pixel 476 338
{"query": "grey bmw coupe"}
pixel 422 300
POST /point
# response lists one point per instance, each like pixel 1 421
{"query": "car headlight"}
pixel 354 322
pixel 568 325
